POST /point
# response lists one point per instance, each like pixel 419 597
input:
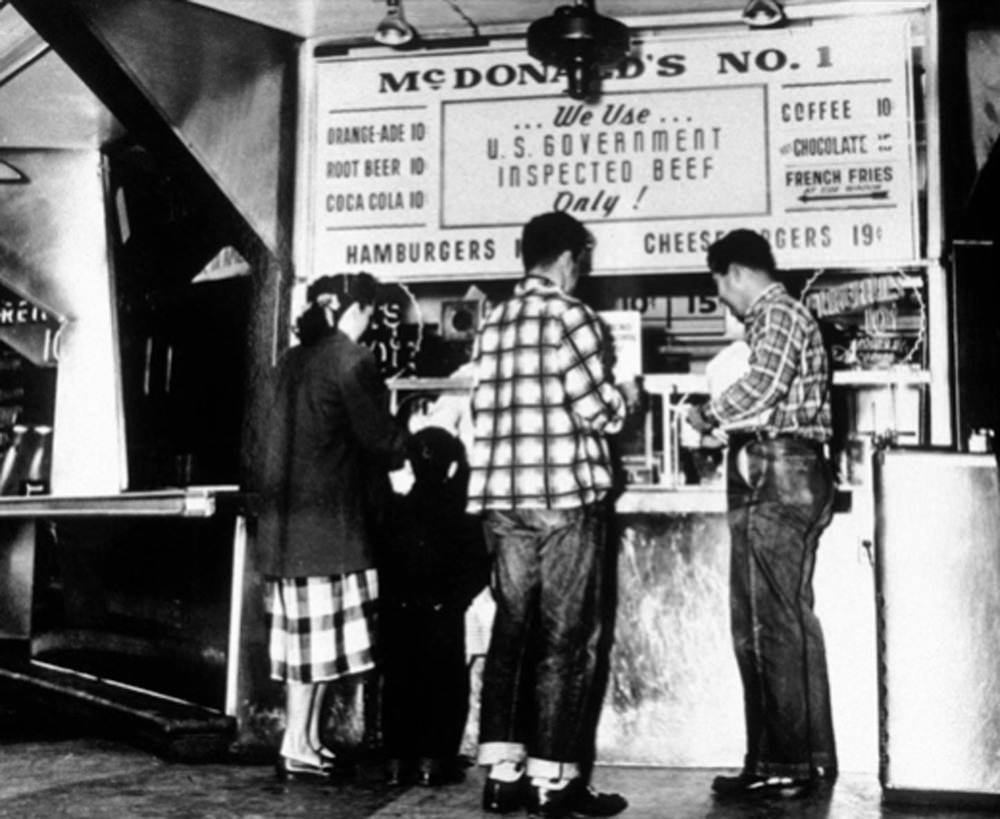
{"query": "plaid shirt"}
pixel 543 403
pixel 788 381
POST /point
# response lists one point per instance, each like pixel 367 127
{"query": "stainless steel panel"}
pixel 938 569
pixel 673 695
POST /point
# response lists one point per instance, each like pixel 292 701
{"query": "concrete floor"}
pixel 49 773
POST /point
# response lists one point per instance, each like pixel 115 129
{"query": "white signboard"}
pixel 625 328
pixel 426 165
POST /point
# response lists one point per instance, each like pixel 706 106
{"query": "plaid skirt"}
pixel 322 628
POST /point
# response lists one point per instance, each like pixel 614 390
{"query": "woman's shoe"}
pixel 294 770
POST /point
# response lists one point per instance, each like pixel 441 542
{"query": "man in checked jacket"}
pixel 540 474
pixel 780 493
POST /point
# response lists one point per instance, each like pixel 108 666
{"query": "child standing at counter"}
pixel 432 567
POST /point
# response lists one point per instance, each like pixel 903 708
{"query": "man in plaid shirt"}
pixel 540 474
pixel 780 493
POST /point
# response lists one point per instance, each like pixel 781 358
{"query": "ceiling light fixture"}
pixel 581 42
pixel 393 30
pixel 764 14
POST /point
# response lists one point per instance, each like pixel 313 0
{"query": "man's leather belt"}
pixel 740 438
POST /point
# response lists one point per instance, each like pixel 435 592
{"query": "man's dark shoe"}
pixel 576 799
pixel 504 797
pixel 747 785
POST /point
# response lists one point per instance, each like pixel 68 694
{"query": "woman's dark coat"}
pixel 328 445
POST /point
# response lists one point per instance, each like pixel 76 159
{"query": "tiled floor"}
pixel 45 775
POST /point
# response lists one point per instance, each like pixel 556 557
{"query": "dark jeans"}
pixel 544 656
pixel 776 514
pixel 425 695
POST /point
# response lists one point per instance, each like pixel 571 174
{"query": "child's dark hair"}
pixel 432 451
pixel 338 293
pixel 743 247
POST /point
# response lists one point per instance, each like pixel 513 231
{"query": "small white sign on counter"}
pixel 625 327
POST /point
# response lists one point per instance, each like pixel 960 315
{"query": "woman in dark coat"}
pixel 329 444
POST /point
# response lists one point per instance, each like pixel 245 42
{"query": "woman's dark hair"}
pixel 337 292
pixel 546 236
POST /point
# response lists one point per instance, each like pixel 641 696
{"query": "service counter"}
pixel 150 591
pixel 131 601
pixel 674 696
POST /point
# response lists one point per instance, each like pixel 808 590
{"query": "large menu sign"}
pixel 426 165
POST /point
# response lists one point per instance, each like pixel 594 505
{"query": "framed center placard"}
pixel 425 165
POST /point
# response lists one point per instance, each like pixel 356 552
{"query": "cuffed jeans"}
pixel 778 506
pixel 541 668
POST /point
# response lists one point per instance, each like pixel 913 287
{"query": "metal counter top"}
pixel 186 502
pixel 669 501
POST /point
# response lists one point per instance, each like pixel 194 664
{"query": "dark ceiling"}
pixel 356 19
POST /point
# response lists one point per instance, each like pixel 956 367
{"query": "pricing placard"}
pixel 426 165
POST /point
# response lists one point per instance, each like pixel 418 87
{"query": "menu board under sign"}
pixel 426 165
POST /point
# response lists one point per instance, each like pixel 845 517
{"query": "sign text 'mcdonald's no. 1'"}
pixel 427 164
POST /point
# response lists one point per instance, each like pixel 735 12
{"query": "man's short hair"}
pixel 546 236
pixel 743 247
